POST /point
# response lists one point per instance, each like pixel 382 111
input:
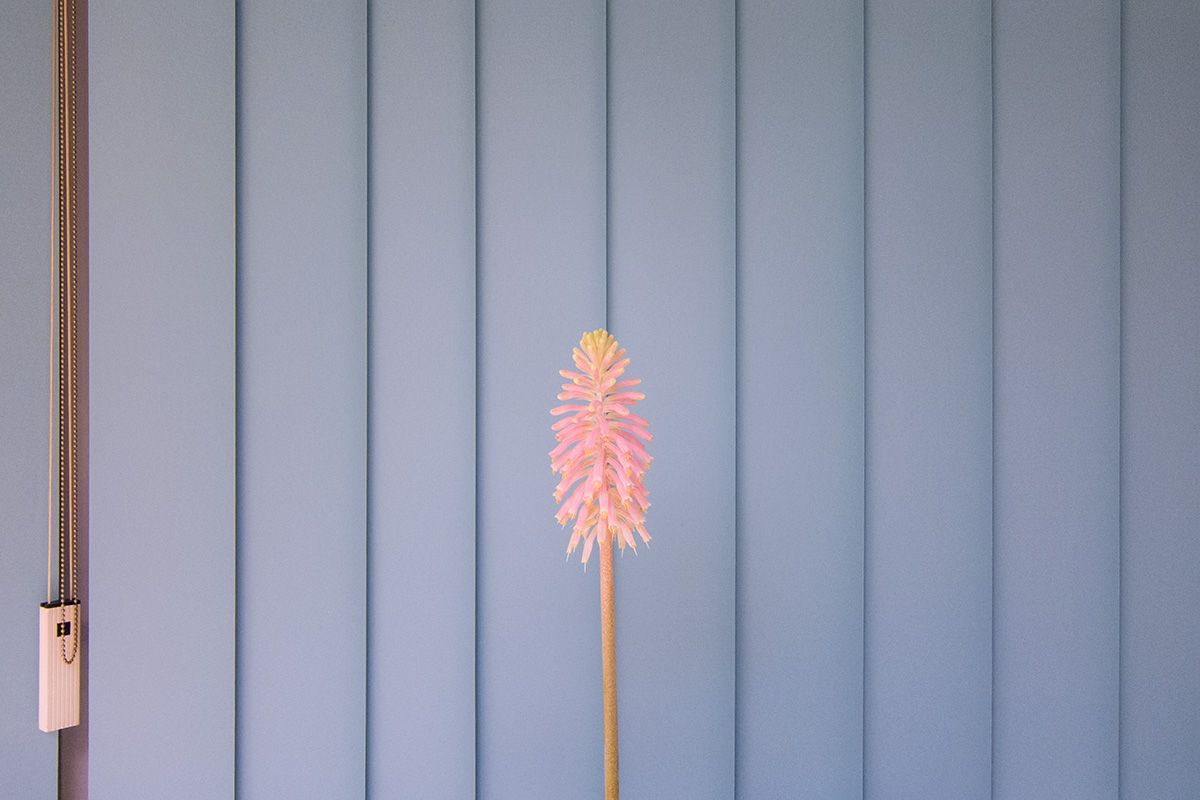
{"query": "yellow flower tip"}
pixel 598 340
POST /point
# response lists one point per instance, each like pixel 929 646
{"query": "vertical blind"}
pixel 912 289
pixel 27 128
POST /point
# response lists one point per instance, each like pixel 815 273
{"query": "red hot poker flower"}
pixel 601 448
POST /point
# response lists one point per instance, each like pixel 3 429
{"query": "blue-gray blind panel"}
pixel 162 415
pixel 27 756
pixel 302 369
pixel 671 305
pixel 421 550
pixel 1057 395
pixel 1160 422
pixel 541 258
pixel 928 664
pixel 800 399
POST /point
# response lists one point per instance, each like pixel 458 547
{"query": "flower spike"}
pixel 601 447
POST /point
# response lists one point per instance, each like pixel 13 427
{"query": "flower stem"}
pixel 608 646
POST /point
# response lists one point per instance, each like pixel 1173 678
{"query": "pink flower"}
pixel 601 449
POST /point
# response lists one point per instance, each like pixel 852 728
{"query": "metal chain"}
pixel 63 310
pixel 68 343
pixel 74 333
pixel 62 640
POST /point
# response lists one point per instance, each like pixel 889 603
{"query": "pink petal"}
pixel 587 545
pixel 620 366
pixel 562 448
pixel 628 537
pixel 557 410
pixel 625 397
pixel 635 430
